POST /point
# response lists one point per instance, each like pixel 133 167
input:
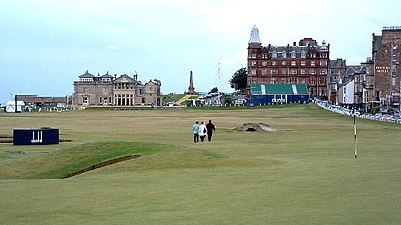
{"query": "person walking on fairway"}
pixel 202 131
pixel 195 130
pixel 210 128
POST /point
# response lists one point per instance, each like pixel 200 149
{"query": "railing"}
pixel 392 28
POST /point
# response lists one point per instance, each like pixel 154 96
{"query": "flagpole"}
pixel 355 139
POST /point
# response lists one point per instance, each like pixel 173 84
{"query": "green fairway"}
pixel 303 173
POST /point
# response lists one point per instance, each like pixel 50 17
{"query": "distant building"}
pixel 306 63
pixel 346 93
pixel 362 76
pixel 35 101
pixel 386 56
pixel 337 72
pixel 122 91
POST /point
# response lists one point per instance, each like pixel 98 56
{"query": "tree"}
pixel 238 81
pixel 214 90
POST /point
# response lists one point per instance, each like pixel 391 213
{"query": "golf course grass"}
pixel 302 173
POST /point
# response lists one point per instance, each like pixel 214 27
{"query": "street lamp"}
pixel 393 62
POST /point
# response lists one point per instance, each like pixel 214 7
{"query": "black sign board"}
pixel 35 136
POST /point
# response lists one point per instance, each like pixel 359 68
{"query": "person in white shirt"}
pixel 202 131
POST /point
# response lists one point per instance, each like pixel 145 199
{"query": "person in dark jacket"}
pixel 210 128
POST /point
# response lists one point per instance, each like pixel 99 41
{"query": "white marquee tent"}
pixel 10 106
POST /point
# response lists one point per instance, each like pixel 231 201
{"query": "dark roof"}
pixel 125 79
pixel 279 89
pixel 356 69
pixel 376 43
pixel 337 64
pixel 107 75
pixel 87 75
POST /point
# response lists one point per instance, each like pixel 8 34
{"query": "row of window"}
pixel 291 63
pixel 292 55
pixel 124 86
pixel 105 80
pixel 293 80
pixel 120 100
pixel 105 91
pixel 266 72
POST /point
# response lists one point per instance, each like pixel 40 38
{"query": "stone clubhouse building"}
pixel 112 91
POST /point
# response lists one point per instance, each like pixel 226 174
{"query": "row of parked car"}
pixel 392 118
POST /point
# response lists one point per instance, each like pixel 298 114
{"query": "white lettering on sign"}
pixel 38 138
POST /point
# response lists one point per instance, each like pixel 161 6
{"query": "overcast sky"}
pixel 46 44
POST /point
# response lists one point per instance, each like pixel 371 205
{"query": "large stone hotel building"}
pixel 386 54
pixel 108 90
pixel 305 63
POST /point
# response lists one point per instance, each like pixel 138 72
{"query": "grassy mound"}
pixel 67 162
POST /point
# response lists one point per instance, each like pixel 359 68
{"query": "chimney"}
pixel 294 43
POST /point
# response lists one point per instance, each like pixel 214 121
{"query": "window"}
pixel 303 72
pixel 274 63
pixel 264 63
pixel 274 54
pixel 254 56
pixel 253 73
pixel 303 63
pixel 86 90
pixel 293 71
pixel 322 80
pixel 284 54
pixel 273 72
pixel 264 72
pixel 293 54
pixel 85 100
pixel 323 63
pixel 312 63
pixel 293 80
pixel 293 63
pixel 312 71
pixel 254 63
pixel 303 54
pixel 284 72
pixel 323 71
pixel 283 63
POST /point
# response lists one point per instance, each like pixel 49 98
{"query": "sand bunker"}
pixel 255 127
